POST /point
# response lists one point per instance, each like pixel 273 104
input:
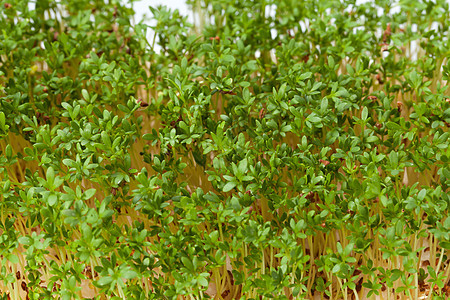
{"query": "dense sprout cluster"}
pixel 272 150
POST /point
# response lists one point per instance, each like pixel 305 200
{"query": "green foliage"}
pixel 272 150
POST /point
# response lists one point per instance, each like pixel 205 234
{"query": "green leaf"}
pixel 229 186
pixel 444 245
pixel 393 126
pixel 331 62
pixel 350 69
pixel 202 281
pixel 336 268
pixel 52 199
pixel 348 249
pixel 25 240
pixel 50 177
pixel 12 258
pixel 364 113
pixel 447 223
pixel 304 76
pixel 123 108
pixel 69 162
pixel 228 59
pixel 422 194
pixel 339 247
pixel 85 94
pixel 3 125
pixel 187 263
pixel 104 281
pixel 324 105
pixel 242 167
pixel 129 274
pixel 89 193
pixel 106 139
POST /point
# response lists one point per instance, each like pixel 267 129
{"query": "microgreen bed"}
pixel 271 150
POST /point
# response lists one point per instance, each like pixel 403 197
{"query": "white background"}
pixel 141 7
